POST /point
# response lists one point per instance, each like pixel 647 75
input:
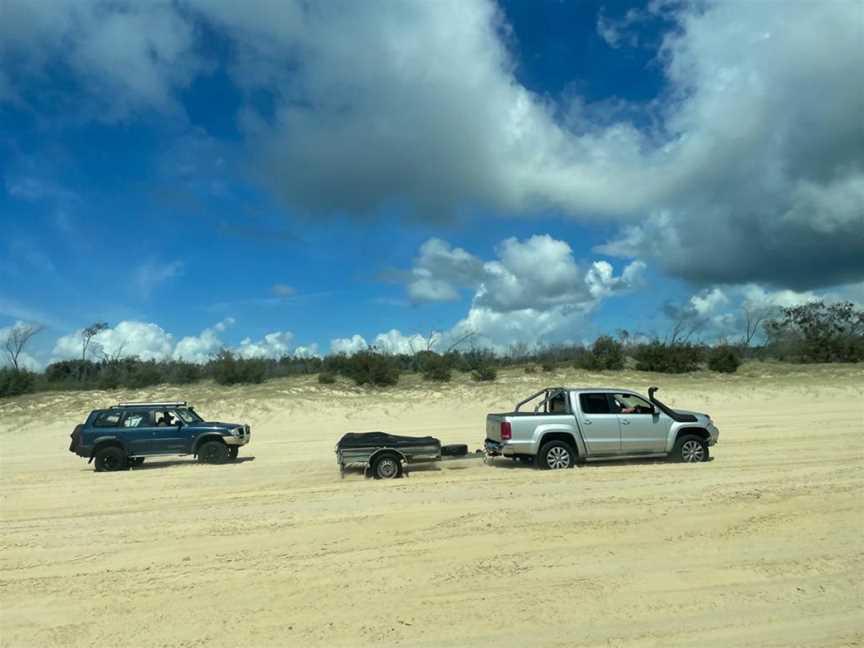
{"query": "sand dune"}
pixel 763 546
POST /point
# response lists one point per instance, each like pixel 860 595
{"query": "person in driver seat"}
pixel 166 419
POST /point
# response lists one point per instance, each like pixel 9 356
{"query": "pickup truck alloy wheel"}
pixel 110 459
pixel 692 449
pixel 556 455
pixel 387 467
pixel 213 452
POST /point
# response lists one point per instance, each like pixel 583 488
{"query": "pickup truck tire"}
pixel 690 449
pixel 387 466
pixel 213 452
pixel 555 455
pixel 110 459
pixel 233 451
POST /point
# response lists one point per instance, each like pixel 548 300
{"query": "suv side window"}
pixel 137 419
pixel 107 419
pixel 594 404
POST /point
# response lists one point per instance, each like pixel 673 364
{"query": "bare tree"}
pixel 87 335
pixel 753 318
pixel 17 338
pixel 460 340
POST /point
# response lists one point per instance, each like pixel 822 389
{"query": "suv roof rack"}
pixel 144 404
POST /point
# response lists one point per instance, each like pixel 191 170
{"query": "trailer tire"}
pixel 454 450
pixel 387 465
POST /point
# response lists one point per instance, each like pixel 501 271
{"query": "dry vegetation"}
pixel 762 546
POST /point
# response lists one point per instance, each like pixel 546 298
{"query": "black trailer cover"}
pixel 382 439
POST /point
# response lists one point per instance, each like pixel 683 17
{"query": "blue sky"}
pixel 283 181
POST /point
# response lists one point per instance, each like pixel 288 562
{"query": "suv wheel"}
pixel 213 452
pixel 233 451
pixel 556 455
pixel 136 461
pixel 691 449
pixel 387 466
pixel 110 459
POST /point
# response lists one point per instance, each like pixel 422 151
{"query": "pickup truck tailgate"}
pixel 493 426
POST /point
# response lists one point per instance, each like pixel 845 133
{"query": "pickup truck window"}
pixel 107 419
pixel 595 404
pixel 631 404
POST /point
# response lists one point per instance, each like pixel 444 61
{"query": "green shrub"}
pixel 668 358
pixel 372 368
pixel 530 369
pixel 326 378
pixel 724 358
pixel 229 370
pixel 183 373
pixel 485 373
pixel 14 382
pixel 435 367
pixel 606 354
pixel 548 366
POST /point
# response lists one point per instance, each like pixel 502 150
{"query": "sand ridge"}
pixel 760 547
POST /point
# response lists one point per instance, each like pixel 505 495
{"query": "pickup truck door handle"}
pixel 587 422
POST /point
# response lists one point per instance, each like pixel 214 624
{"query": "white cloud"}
pixel 273 345
pixel 752 169
pixel 148 276
pixel 145 340
pixel 204 346
pixel 348 346
pixel 283 290
pixel 127 55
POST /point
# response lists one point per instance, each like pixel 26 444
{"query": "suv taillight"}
pixel 506 431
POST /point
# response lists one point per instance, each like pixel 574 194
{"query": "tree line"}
pixel 809 333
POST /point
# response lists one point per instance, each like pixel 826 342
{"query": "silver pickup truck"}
pixel 567 425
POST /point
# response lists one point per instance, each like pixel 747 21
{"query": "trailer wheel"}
pixel 387 466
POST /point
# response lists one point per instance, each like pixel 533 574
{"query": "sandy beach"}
pixel 762 546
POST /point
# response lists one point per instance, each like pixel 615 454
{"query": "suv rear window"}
pixel 107 419
pixel 594 403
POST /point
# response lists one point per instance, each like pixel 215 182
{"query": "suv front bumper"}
pixel 239 439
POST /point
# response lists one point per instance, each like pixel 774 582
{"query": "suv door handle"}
pixel 625 422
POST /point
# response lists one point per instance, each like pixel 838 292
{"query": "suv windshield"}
pixel 188 415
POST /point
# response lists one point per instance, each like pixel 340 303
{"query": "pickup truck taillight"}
pixel 506 431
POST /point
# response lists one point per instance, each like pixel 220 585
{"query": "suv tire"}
pixel 233 451
pixel 213 452
pixel 136 461
pixel 387 466
pixel 110 459
pixel 556 455
pixel 690 449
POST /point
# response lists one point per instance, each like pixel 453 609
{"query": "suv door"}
pixel 137 432
pixel 169 438
pixel 643 427
pixel 600 426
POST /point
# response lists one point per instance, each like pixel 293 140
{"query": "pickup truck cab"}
pixel 567 425
pixel 125 434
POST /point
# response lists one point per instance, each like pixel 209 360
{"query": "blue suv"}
pixel 125 434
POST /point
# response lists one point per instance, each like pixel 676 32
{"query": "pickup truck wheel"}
pixel 110 459
pixel 555 455
pixel 233 451
pixel 691 449
pixel 387 466
pixel 213 452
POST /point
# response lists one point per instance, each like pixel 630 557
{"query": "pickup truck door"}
pixel 599 423
pixel 643 428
